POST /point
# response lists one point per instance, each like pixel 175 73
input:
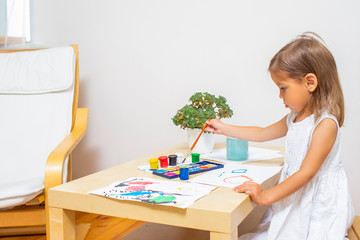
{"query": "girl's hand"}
pixel 215 126
pixel 255 191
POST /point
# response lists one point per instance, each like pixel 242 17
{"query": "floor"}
pixel 148 231
pixel 109 228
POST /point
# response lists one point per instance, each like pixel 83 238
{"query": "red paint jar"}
pixel 163 161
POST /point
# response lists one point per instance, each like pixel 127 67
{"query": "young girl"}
pixel 312 200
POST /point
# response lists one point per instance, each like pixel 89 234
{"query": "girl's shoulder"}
pixel 326 115
pixel 312 120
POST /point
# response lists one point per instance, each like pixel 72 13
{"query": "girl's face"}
pixel 294 93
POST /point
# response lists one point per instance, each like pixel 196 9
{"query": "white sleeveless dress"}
pixel 322 209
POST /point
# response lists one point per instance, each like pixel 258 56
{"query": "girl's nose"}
pixel 281 95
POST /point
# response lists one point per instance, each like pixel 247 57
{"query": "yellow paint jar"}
pixel 154 163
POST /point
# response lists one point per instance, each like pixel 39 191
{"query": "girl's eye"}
pixel 283 88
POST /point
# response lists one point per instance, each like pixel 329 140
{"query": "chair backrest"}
pixel 38 93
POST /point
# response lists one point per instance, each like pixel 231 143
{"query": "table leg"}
pixel 224 236
pixel 62 224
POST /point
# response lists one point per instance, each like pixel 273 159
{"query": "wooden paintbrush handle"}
pixel 192 147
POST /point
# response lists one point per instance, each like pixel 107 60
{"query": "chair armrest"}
pixel 55 162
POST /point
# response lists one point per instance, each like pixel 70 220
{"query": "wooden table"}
pixel 219 212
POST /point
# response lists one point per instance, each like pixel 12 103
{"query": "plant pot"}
pixel 205 143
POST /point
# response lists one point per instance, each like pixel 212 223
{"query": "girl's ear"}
pixel 311 81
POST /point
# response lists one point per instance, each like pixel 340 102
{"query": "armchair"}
pixel 40 125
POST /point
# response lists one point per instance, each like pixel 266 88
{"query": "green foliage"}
pixel 203 106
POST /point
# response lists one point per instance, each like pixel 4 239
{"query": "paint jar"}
pixel 184 173
pixel 163 161
pixel 195 157
pixel 172 160
pixel 154 163
pixel 237 149
pixel 180 157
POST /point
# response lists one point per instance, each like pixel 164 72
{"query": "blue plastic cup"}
pixel 184 173
pixel 237 149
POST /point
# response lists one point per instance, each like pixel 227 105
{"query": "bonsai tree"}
pixel 203 106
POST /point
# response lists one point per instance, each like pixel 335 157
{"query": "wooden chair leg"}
pixel 356 226
pixel 31 216
pixel 17 231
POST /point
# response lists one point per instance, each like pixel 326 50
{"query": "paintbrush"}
pixel 192 147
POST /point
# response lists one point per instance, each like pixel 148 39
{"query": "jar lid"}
pixel 153 160
pixel 163 158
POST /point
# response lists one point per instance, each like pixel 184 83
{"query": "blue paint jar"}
pixel 184 173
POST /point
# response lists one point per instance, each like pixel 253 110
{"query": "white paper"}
pixel 255 154
pixel 145 168
pixel 154 191
pixel 233 175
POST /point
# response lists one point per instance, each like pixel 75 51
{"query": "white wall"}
pixel 141 60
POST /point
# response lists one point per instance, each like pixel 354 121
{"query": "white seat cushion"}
pixel 17 193
pixel 36 102
pixel 33 72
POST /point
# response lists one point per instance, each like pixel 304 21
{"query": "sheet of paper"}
pixel 145 168
pixel 255 154
pixel 153 191
pixel 233 175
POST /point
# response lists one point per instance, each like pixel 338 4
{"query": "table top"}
pixel 222 210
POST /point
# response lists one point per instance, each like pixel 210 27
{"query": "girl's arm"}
pixel 322 141
pixel 254 134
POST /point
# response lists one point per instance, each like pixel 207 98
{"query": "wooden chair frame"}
pixel 33 219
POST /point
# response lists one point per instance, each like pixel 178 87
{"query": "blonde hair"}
pixel 307 54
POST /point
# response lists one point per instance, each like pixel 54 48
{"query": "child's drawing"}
pixel 161 192
pixel 233 175
pixel 239 179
